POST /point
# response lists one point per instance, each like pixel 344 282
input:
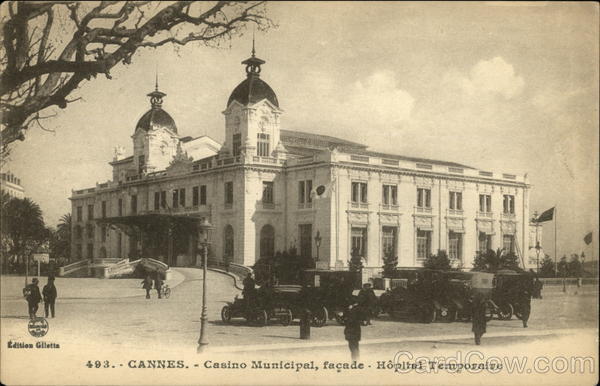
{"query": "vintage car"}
pixel 462 286
pixel 507 292
pixel 283 303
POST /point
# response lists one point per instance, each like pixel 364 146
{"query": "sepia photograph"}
pixel 299 193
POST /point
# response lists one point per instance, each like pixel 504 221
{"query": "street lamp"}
pixel 205 227
pixel 537 251
pixel 582 263
pixel 318 243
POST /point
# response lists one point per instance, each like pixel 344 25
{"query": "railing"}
pixel 76 266
pixel 455 212
pixel 423 209
pixel 391 207
pixel 510 216
pixel 485 214
pixel 359 205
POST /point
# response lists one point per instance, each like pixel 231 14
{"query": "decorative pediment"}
pixel 181 162
pixel 508 227
pixel 389 218
pixel 455 185
pixel 424 222
pixel 358 217
pixel 424 182
pixel 454 223
pixel 485 188
pixel 509 190
pixel 485 226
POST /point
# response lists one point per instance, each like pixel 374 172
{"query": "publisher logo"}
pixel 38 327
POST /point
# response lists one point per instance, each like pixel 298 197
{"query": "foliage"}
pixel 355 263
pixel 50 48
pixel 493 261
pixel 389 265
pixel 284 267
pixel 60 242
pixel 23 229
pixel 563 266
pixel 547 267
pixel 574 267
pixel 440 261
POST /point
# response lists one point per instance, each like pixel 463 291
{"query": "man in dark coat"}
pixel 525 293
pixel 158 284
pixel 147 285
pixel 50 295
pixel 367 301
pixel 33 296
pixel 352 330
pixel 249 289
pixel 478 317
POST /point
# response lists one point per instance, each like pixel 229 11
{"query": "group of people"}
pixel 32 295
pixel 147 284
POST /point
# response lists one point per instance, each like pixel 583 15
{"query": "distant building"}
pixel 266 189
pixel 11 185
pixel 536 253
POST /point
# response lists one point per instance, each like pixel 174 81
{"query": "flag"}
pixel 546 216
pixel 588 238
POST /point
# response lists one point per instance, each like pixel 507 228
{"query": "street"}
pixel 129 326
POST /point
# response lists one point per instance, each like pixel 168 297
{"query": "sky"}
pixel 506 87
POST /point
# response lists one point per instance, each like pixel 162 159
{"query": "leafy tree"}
pixel 563 266
pixel 23 228
pixel 50 48
pixel 439 261
pixel 60 243
pixel 574 267
pixel 355 263
pixel 389 265
pixel 493 261
pixel 547 267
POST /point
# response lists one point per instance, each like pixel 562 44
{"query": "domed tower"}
pixel 155 138
pixel 252 115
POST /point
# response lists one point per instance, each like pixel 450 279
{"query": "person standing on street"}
pixel 478 317
pixel 158 284
pixel 352 331
pixel 33 296
pixel 525 301
pixel 249 289
pixel 367 301
pixel 49 293
pixel 147 285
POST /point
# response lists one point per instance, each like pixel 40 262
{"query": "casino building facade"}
pixel 266 189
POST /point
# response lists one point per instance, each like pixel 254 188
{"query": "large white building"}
pixel 266 189
pixel 11 185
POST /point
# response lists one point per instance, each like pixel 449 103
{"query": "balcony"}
pixel 487 215
pixel 390 207
pixel 508 216
pixel 456 212
pixel 359 205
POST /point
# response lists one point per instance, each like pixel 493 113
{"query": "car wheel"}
pixel 226 314
pixel 286 318
pixel 505 311
pixel 261 318
pixel 320 317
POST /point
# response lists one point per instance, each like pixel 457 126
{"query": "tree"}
pixel 574 267
pixel 440 261
pixel 22 228
pixel 355 263
pixel 547 267
pixel 389 265
pixel 60 243
pixel 49 48
pixel 493 261
pixel 563 266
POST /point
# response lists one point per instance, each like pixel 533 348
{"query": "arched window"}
pixel 228 242
pixel 267 241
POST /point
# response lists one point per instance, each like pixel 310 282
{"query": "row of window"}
pixel 262 145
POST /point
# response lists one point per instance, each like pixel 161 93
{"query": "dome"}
pixel 252 90
pixel 156 118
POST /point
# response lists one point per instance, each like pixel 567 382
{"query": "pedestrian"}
pixel 478 318
pixel 147 285
pixel 33 297
pixel 525 301
pixel 158 284
pixel 249 289
pixel 49 293
pixel 352 330
pixel 367 302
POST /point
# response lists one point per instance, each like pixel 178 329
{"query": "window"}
pixel 90 251
pixel 195 196
pixel 202 194
pixel 89 230
pixel 90 212
pixel 485 203
pixel 79 213
pixel 134 204
pixel 103 209
pixel 359 241
pixel 456 200
pixel 228 242
pixel 141 164
pixel 262 145
pixel 229 193
pixel 423 198
pixel 508 243
pixel 305 231
pixel 175 198
pixel 182 197
pixel 454 245
pixel 423 244
pixel 509 204
pixel 119 244
pixel 267 241
pixel 78 251
pixel 267 196
pixel 304 191
pixel 120 206
pixel 156 200
pixel 78 232
pixel 485 242
pixel 163 199
pixel 389 241
pixel 359 192
pixel 103 232
pixel 390 195
pixel 237 144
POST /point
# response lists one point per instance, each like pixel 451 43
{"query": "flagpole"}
pixel 555 255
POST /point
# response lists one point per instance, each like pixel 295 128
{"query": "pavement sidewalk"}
pixel 84 288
